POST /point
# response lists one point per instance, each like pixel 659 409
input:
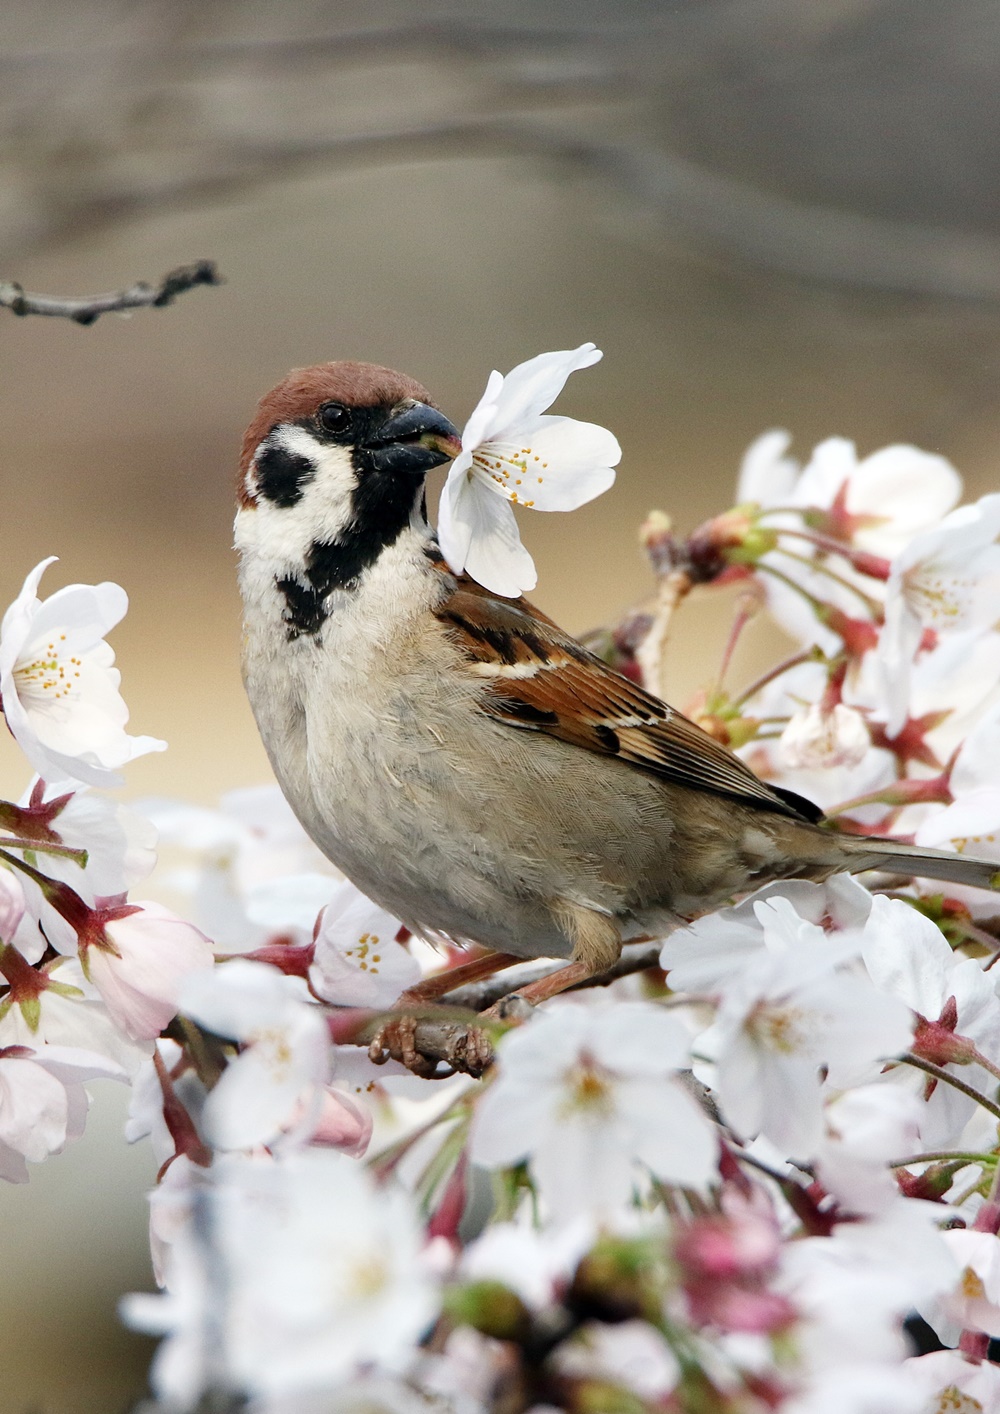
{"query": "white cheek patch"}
pixel 322 510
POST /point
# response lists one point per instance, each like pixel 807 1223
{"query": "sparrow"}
pixel 466 763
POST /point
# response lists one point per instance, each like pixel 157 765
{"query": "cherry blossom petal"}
pixel 554 464
pixel 140 982
pixel 906 489
pixel 671 1132
pixel 33 1109
pixel 342 1124
pixel 532 386
pixel 509 1123
pixel 239 998
pixel 767 476
pixel 357 960
pixel 256 1096
pixel 584 1165
pixel 494 556
pixel 639 1039
pixel 11 905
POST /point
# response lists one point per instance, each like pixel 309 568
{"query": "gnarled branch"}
pixel 85 309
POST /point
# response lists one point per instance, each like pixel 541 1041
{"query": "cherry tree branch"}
pixel 86 309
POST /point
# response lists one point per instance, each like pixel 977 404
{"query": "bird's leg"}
pixel 431 988
pixel 597 945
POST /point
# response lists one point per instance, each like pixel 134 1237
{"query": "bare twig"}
pixel 86 309
pixel 650 655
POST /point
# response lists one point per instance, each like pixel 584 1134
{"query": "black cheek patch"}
pixel 282 475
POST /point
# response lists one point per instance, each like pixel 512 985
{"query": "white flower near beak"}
pixel 513 456
pixel 59 685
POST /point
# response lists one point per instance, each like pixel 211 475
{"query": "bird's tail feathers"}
pixel 950 868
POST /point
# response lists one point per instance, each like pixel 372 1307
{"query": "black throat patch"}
pixel 382 504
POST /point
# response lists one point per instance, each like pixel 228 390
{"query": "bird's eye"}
pixel 334 417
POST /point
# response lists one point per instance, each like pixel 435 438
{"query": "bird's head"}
pixel 345 435
pixel 332 469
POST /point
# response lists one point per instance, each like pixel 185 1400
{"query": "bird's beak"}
pixel 414 438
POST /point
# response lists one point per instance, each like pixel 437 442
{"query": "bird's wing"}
pixel 537 678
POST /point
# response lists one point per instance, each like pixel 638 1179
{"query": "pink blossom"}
pixel 139 975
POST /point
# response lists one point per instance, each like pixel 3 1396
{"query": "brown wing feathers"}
pixel 538 678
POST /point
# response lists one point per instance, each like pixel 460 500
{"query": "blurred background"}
pixel 766 212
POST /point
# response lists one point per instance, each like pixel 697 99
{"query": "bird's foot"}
pixel 396 1040
pixel 454 1044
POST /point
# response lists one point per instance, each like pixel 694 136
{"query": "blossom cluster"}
pixel 760 1172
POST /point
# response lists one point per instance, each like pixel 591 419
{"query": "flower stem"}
pixel 819 567
pixel 946 1077
pixel 79 856
pixel 907 791
pixel 808 655
pixel 814 602
pixel 874 566
pixel 945 1156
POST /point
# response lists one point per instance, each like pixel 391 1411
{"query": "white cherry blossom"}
pixel 709 953
pixel 238 861
pixel 278 1085
pixel 876 505
pixel 952 1384
pixel 909 960
pixel 973 1300
pixel 513 455
pixel 583 1093
pixel 975 788
pixel 865 1129
pixel 946 578
pixel 69 1012
pixel 816 738
pixel 849 1339
pixel 357 960
pixel 889 496
pixel 43 1104
pixel 788 1013
pixel 59 685
pixel 324 1273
